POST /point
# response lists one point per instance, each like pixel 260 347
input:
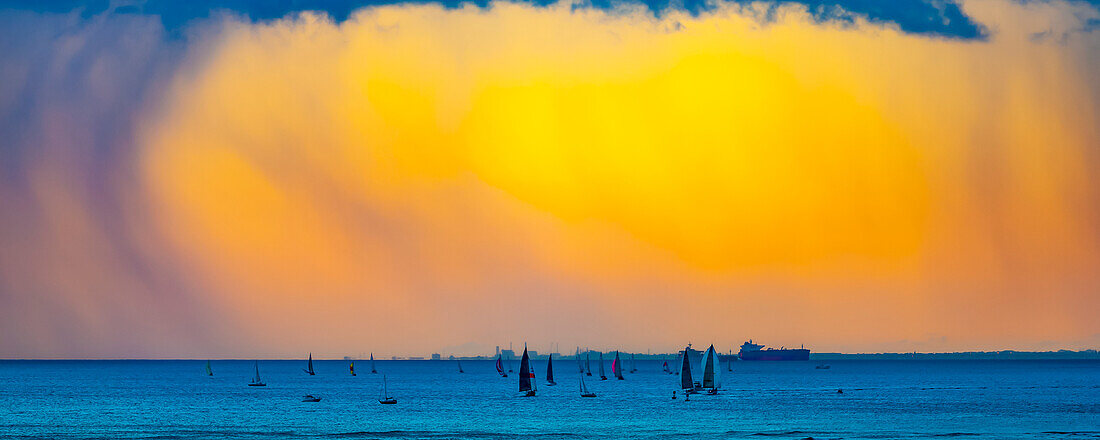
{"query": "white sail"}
pixel 711 369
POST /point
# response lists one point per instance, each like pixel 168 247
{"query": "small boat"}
pixel 633 364
pixel 500 366
pixel 729 363
pixel 711 368
pixel 372 369
pixel 309 370
pixel 385 398
pixel 617 367
pixel 310 398
pixel 256 381
pixel 664 367
pixel 550 371
pixel 602 376
pixel 588 363
pixel 686 383
pixel 822 367
pixel 584 390
pixel 459 366
pixel 580 364
pixel 209 372
pixel 351 367
pixel 526 385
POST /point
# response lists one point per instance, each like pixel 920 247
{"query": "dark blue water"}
pixel 881 399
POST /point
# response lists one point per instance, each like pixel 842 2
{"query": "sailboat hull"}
pixel 257 384
pixel 388 401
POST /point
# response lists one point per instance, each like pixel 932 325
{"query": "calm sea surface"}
pixel 881 400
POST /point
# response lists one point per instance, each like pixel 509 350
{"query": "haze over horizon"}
pixel 229 180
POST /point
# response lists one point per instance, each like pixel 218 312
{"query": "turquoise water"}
pixel 881 399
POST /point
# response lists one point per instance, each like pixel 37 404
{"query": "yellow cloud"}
pixel 425 160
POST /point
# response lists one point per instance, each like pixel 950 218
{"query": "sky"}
pixel 237 179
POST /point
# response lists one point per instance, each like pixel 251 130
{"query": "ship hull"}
pixel 776 355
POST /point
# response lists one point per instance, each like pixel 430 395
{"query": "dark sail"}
pixel 500 366
pixel 617 367
pixel 309 369
pixel 685 375
pixel 525 372
pixel 550 369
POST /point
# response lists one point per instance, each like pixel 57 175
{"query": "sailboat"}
pixel 584 390
pixel 256 381
pixel 588 363
pixel 685 377
pixel 602 375
pixel 580 364
pixel 550 371
pixel 617 367
pixel 309 370
pixel 351 367
pixel 459 366
pixel 633 364
pixel 500 366
pixel 711 370
pixel 209 372
pixel 511 362
pixel 665 368
pixel 385 398
pixel 525 375
pixel 372 369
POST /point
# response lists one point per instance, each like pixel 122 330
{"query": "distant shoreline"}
pixel 949 356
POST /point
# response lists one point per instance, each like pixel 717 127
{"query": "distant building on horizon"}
pixel 436 356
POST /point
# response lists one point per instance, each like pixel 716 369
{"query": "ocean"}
pixel 782 400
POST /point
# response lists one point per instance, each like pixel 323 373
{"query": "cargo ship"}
pixel 756 352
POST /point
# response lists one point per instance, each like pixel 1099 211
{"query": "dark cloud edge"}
pixel 937 18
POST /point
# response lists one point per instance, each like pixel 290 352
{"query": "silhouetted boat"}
pixel 310 398
pixel 550 371
pixel 584 390
pixel 822 367
pixel 209 372
pixel 665 367
pixel 580 364
pixel 711 377
pixel 633 364
pixel 756 352
pixel 685 377
pixel 351 367
pixel 500 366
pixel 372 369
pixel 526 386
pixel 385 398
pixel 617 367
pixel 588 363
pixel 309 369
pixel 256 381
pixel 459 366
pixel 602 376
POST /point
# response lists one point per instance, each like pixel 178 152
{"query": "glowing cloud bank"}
pixel 418 177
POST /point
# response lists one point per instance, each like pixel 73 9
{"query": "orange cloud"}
pixel 419 177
